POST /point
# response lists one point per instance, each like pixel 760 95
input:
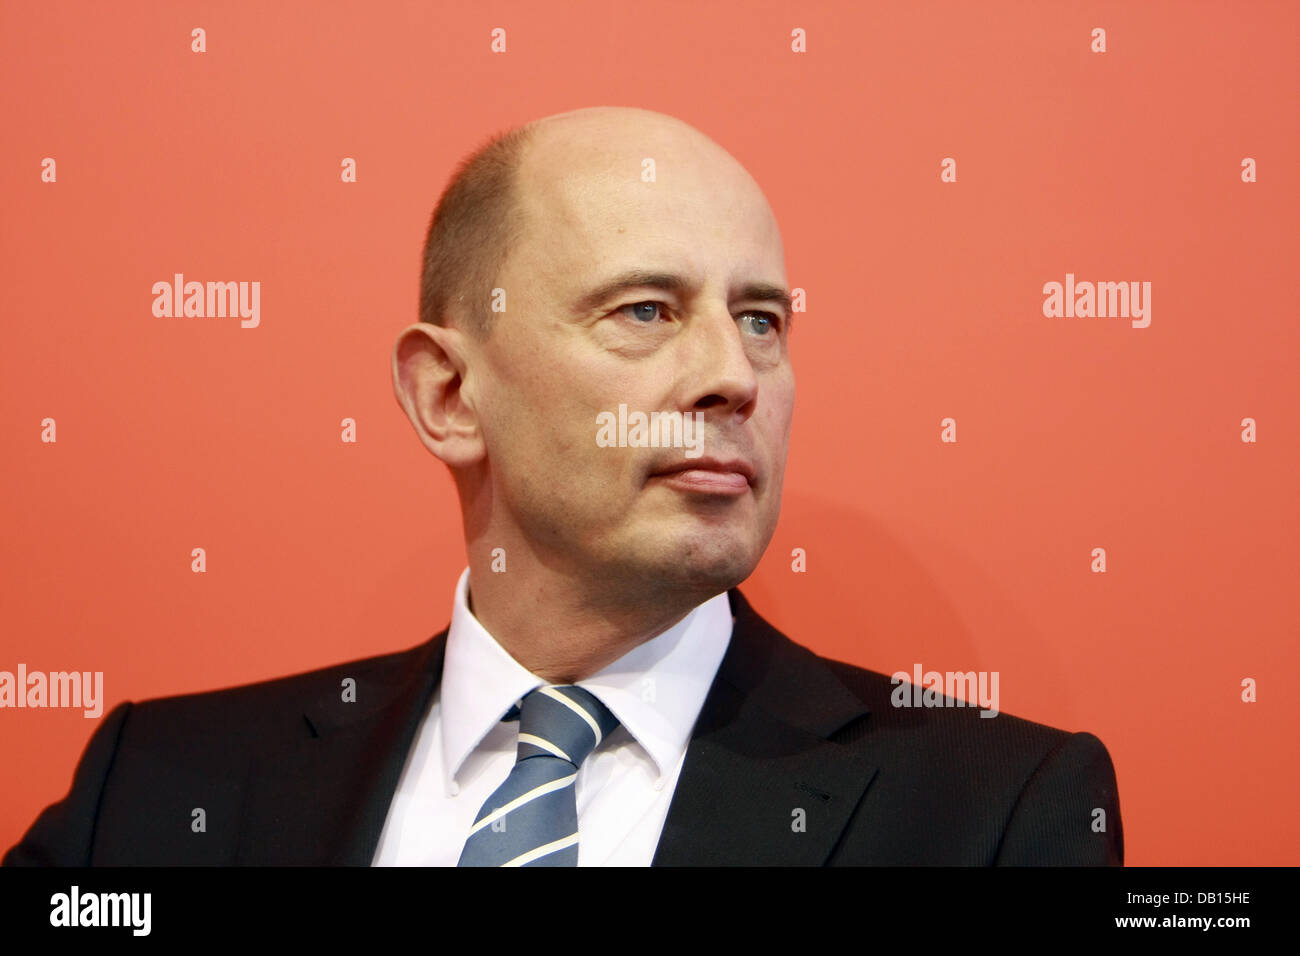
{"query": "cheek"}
pixel 782 410
pixel 776 425
pixel 552 453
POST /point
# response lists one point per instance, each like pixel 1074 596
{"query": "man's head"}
pixel 508 387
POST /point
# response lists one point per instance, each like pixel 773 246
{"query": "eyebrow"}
pixel 671 282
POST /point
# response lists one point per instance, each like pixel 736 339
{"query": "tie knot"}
pixel 564 721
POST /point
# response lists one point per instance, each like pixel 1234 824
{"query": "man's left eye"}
pixel 764 321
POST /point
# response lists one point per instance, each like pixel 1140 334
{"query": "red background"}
pixel 924 301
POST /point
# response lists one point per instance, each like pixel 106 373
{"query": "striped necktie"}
pixel 532 818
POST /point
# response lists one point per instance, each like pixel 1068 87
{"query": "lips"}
pixel 710 475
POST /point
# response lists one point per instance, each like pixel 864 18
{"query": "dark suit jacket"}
pixel 288 773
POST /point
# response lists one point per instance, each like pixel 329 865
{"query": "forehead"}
pixel 590 209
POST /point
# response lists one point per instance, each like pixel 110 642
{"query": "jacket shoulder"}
pixel 950 783
pixel 199 747
pixel 1004 789
pixel 265 711
pixel 901 703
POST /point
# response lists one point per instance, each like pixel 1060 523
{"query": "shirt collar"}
pixel 655 690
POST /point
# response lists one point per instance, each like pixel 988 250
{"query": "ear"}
pixel 429 363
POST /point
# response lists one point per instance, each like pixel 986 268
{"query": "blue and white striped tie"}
pixel 532 818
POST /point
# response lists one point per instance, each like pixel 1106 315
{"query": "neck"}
pixel 560 631
pixel 562 621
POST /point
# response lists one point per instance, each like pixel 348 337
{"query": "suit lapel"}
pixel 762 784
pixel 323 800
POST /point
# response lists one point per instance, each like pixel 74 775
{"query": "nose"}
pixel 720 375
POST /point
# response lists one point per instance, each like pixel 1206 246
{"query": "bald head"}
pixel 533 176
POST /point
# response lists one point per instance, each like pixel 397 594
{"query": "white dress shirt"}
pixel 463 750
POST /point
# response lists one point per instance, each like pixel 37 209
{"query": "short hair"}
pixel 473 227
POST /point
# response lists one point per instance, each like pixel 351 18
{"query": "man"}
pixel 603 694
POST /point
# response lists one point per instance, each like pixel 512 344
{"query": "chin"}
pixel 711 565
pixel 710 581
pixel 679 554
